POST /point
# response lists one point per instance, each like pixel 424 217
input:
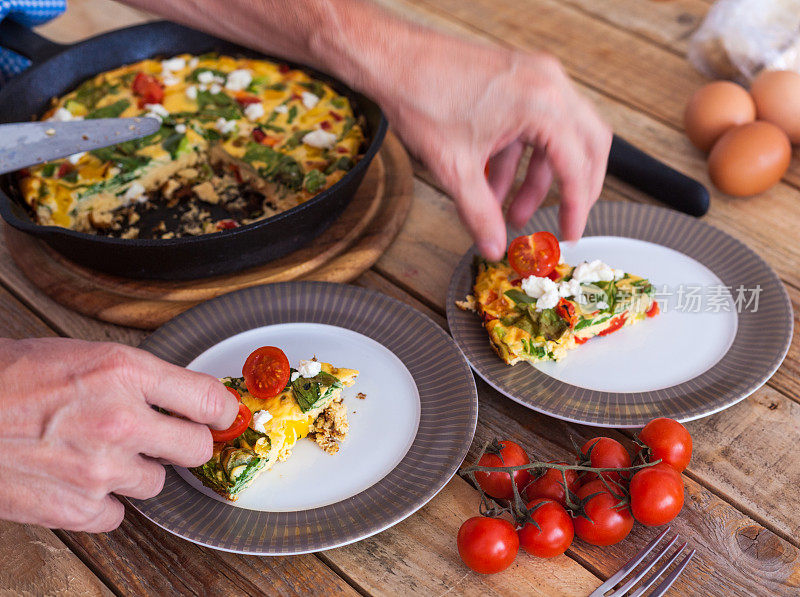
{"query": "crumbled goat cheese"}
pixel 308 368
pixel 156 111
pixel 191 92
pixel 260 417
pixel 320 138
pixel 180 128
pixel 75 157
pixel 254 111
pixel 594 271
pixel 238 80
pixel 295 376
pixel 282 109
pixel 309 99
pixel 225 126
pixel 173 64
pixel 63 115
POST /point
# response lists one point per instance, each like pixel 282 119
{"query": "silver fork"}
pixel 665 584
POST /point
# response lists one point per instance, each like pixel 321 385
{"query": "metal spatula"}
pixel 27 143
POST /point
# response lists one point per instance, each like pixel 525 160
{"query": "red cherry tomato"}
pixel 498 485
pixel 238 426
pixel 487 545
pixel 669 441
pixel 656 495
pixel 653 310
pixel 607 524
pixel 604 452
pixel 148 88
pixel 534 255
pixel 616 323
pixel 551 485
pixel 266 372
pixel 555 531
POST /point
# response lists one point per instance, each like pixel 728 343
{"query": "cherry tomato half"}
pixel 487 545
pixel 653 310
pixel 555 531
pixel 266 372
pixel 498 485
pixel 551 485
pixel 656 495
pixel 669 441
pixel 240 423
pixel 607 524
pixel 534 255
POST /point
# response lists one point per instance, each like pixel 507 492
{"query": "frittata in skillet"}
pixel 536 308
pixel 240 140
pixel 307 404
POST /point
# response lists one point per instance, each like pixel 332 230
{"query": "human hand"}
pixel 460 105
pixel 77 425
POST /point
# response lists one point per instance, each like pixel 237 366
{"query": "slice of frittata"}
pixel 538 319
pixel 308 406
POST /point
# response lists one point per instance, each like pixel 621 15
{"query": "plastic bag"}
pixel 740 38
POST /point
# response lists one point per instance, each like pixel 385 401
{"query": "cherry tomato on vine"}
pixel 266 372
pixel 669 441
pixel 534 255
pixel 498 485
pixel 555 532
pixel 656 495
pixel 550 485
pixel 487 545
pixel 604 452
pixel 607 524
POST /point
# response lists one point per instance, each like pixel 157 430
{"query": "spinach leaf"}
pixel 590 322
pixel 277 167
pixel 307 394
pixel 174 144
pixel 314 180
pixel 343 163
pixel 519 297
pixel 90 92
pixel 545 323
pixel 49 169
pixel 110 111
pixel 292 114
pixel 314 87
pixel 71 176
pixel 339 102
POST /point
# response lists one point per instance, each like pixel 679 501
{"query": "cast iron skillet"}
pixel 58 69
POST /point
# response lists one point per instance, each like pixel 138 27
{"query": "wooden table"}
pixel 741 509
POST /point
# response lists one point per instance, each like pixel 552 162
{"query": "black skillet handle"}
pixel 644 172
pixel 26 42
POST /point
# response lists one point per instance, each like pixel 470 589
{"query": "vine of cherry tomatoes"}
pixel 597 499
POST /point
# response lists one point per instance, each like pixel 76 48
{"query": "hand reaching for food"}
pixel 78 426
pixel 456 104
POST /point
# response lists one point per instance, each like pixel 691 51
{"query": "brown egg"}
pixel 713 109
pixel 749 159
pixel 777 97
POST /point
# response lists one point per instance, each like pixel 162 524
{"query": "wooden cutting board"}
pixel 349 247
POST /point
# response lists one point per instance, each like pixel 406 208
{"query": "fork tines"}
pixel 637 575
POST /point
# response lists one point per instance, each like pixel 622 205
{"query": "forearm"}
pixel 355 40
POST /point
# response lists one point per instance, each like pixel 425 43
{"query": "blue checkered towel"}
pixel 28 13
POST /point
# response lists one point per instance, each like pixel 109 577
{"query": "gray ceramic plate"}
pixel 418 384
pixel 725 326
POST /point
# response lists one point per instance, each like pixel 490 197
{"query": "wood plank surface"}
pixel 738 513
